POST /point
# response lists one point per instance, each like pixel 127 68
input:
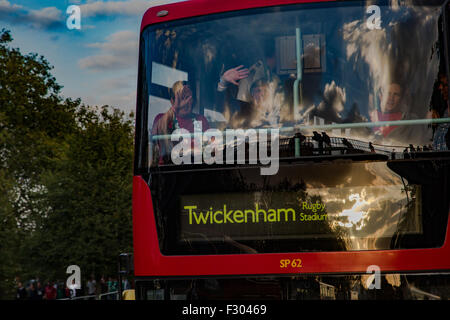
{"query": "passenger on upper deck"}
pixel 390 109
pixel 179 116
pixel 245 78
pixel 393 108
pixel 257 101
pixel 260 112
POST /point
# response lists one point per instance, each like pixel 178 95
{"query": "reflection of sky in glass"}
pixel 355 208
pixel 370 210
pixel 356 214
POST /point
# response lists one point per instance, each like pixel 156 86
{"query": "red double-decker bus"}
pixel 293 149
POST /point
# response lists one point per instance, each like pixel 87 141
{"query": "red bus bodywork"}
pixel 188 9
pixel 149 262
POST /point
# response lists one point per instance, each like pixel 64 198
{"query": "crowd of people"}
pixel 35 289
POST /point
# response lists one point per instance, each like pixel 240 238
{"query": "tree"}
pixel 65 176
pixel 33 122
pixel 89 198
pixel 8 227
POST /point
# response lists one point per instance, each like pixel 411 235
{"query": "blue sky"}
pixel 97 63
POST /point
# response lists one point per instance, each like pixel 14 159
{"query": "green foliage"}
pixel 65 177
pixel 8 232
pixel 89 193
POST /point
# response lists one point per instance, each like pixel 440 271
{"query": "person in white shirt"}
pixel 91 286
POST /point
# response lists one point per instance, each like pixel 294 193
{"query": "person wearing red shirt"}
pixel 394 109
pixel 390 110
pixel 50 292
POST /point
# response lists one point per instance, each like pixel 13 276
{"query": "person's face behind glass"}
pixel 393 98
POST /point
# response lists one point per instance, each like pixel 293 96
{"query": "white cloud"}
pixel 118 53
pixel 9 12
pixel 103 62
pixel 122 42
pixel 120 8
pixel 45 18
pixel 53 18
pixel 6 6
pixel 120 50
pixel 120 83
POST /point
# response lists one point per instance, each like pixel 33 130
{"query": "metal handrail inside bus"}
pixel 331 126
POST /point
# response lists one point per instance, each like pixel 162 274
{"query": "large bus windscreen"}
pixel 310 127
